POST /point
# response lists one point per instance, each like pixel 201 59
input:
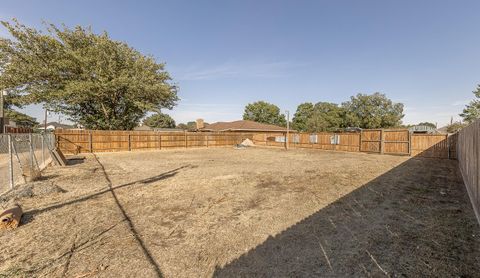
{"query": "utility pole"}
pixel 45 121
pixel 2 111
pixel 288 129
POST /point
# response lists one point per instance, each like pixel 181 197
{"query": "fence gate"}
pixel 396 142
pixel 371 141
pixel 385 141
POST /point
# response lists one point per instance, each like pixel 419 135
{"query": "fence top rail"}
pixel 385 129
pixel 429 135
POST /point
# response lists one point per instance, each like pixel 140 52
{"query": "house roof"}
pixel 56 125
pixel 142 128
pixel 242 125
pixel 422 129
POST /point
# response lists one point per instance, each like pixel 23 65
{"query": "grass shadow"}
pixel 156 178
pixel 138 239
pixel 414 220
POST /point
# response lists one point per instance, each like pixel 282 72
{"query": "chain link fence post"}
pixel 10 162
pixel 43 149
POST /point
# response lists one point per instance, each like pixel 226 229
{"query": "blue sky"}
pixel 225 54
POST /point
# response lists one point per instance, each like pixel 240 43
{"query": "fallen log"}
pixel 10 218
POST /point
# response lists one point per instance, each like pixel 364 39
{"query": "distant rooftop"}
pixel 55 125
pixel 422 129
pixel 243 125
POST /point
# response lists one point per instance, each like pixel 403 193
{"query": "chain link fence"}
pixel 22 157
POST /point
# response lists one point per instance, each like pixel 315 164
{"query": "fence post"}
pixel 360 141
pixel 159 141
pixel 43 150
pixel 31 151
pixel 207 138
pixel 10 162
pixel 129 142
pixel 409 143
pixel 448 146
pixel 90 142
pixel 382 142
pixel 185 135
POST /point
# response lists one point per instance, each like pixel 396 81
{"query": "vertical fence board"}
pixel 468 156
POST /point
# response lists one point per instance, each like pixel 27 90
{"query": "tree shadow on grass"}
pixel 130 223
pixel 415 220
pixel 149 180
pixel 29 215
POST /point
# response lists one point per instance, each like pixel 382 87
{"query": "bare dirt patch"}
pixel 253 212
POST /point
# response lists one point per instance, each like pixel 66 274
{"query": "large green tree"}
pixel 302 115
pixel 472 110
pixel 264 112
pixel 372 111
pixel 326 117
pixel 97 82
pixel 432 125
pixel 159 120
pixel 21 119
pixel 455 127
pixel 323 116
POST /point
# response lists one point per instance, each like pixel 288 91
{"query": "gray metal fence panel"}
pixel 22 155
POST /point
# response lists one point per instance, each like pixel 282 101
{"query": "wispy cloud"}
pixel 236 70
pixel 183 116
pixel 461 102
pixel 435 114
pixel 210 112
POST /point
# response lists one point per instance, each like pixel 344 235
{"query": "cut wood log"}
pixel 10 218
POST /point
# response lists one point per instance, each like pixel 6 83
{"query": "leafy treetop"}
pixel 372 111
pixel 472 110
pixel 264 112
pixel 159 120
pixel 21 119
pixel 96 81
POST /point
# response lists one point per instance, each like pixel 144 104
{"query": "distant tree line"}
pixel 363 111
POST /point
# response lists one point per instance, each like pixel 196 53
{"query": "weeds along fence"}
pixel 22 156
pixel 387 141
pixel 468 152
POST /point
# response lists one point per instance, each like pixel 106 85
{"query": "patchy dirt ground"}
pixel 254 212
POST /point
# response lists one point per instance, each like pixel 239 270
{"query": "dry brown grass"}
pixel 254 212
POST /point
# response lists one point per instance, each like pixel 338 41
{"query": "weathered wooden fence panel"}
pixel 81 141
pixel 396 141
pixel 468 156
pixel 371 141
pixel 349 142
pixel 430 145
pixel 374 141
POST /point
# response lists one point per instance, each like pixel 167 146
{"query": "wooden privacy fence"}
pixel 434 145
pixel 468 155
pixel 385 141
pixel 82 141
pixel 19 129
pixel 398 141
pixel 323 140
